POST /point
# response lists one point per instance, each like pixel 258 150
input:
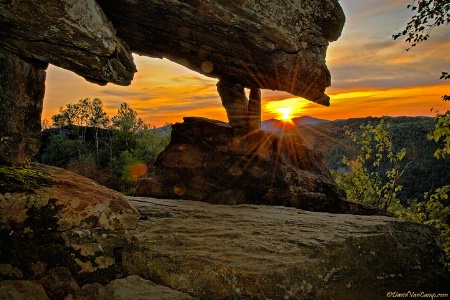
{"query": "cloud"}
pixel 126 94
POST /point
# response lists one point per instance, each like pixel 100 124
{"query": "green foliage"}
pixel 124 178
pixel 61 150
pixel 86 112
pixel 441 133
pixel 15 179
pixel 368 184
pixel 434 211
pixel 149 143
pixel 127 120
pixel 115 152
pixel 365 183
pixel 428 15
pixel 409 133
pixel 127 123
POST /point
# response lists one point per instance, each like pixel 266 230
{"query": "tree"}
pixel 127 119
pixel 441 133
pixel 429 14
pixel 97 118
pixel 66 117
pixel 377 169
pixel 85 113
pixel 118 160
pixel 127 123
pixel 435 211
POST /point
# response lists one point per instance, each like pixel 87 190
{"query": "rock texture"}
pixel 244 115
pixel 29 196
pixel 21 289
pixel 46 215
pixel 250 43
pixel 75 35
pixel 263 252
pixel 194 250
pixel 206 161
pixel 22 86
pixel 130 288
pixel 257 43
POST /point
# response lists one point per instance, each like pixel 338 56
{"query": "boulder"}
pixel 22 87
pixel 74 35
pixel 21 289
pixel 263 252
pixel 189 249
pixel 206 161
pixel 51 218
pixel 59 282
pixel 256 43
pixel 62 199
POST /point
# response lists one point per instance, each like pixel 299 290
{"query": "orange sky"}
pixel 372 75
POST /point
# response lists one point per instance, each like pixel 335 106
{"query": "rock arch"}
pixel 254 44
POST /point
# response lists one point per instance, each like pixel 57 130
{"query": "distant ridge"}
pixel 274 125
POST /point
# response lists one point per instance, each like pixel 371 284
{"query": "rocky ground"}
pixel 65 237
pixel 264 252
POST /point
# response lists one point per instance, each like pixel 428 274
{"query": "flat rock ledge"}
pixel 263 252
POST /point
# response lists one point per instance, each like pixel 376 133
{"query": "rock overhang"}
pixel 74 35
pixel 260 44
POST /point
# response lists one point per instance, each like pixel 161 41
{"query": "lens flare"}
pixel 138 170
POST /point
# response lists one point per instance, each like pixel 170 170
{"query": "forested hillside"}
pixel 424 172
pixel 115 151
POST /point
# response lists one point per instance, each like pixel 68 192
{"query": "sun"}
pixel 285 113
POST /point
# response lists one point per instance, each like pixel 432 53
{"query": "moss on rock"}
pixel 17 180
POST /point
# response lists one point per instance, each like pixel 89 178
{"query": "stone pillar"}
pixel 22 87
pixel 236 105
pixel 254 109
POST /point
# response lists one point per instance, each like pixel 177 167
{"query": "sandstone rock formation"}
pixel 74 35
pixel 46 212
pixel 206 161
pixel 62 199
pixel 244 115
pixel 261 252
pixel 22 86
pixel 255 44
pixel 195 250
pixel 260 44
